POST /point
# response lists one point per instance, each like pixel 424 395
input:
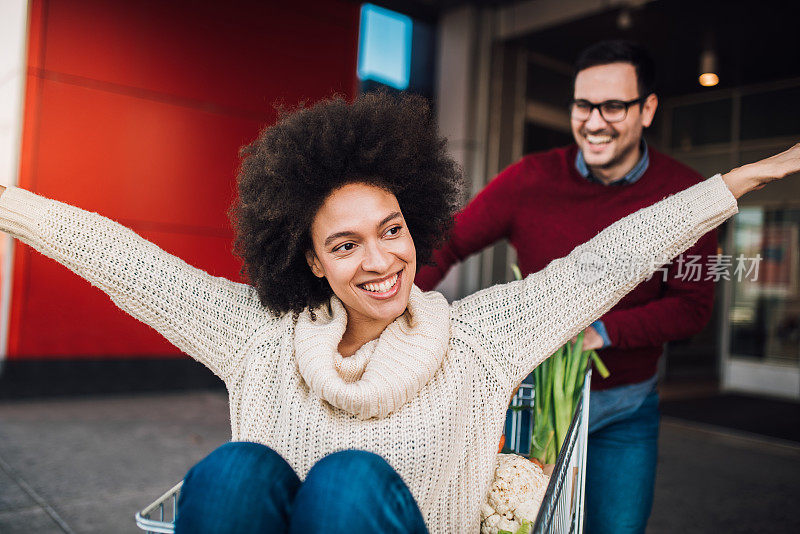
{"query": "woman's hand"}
pixel 756 175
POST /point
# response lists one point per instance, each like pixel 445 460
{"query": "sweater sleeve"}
pixel 680 312
pixel 522 323
pixel 210 318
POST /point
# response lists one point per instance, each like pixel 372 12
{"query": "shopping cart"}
pixel 561 510
pixel 165 508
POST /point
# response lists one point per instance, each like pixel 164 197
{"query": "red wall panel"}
pixel 243 55
pixel 79 321
pixel 137 110
pixel 153 161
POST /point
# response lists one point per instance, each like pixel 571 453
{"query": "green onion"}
pixel 601 367
pixel 558 382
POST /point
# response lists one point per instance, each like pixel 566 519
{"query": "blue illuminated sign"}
pixel 384 46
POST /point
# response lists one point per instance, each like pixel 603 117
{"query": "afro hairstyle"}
pixel 288 172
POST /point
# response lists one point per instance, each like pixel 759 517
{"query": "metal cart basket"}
pixel 165 508
pixel 561 510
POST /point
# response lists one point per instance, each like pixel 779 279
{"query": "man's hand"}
pixel 591 339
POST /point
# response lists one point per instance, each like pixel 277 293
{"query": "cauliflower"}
pixel 514 497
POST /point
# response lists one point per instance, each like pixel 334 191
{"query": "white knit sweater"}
pixel 430 395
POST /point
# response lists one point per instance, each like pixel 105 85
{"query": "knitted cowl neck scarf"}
pixel 383 374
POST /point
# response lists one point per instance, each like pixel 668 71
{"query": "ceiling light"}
pixel 708 69
pixel 624 19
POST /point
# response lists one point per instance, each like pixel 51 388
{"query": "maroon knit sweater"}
pixel 545 209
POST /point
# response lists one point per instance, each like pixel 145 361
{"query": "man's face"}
pixel 608 145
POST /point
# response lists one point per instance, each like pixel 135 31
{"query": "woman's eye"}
pixel 347 247
pixel 394 230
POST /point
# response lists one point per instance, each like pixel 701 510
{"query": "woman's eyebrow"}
pixel 389 217
pixel 336 236
pixel 346 233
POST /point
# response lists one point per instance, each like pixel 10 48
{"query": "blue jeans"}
pixel 247 487
pixel 621 472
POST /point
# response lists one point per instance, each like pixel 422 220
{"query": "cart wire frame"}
pixel 561 510
pixel 166 508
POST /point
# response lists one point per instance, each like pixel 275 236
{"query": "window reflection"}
pixel 765 311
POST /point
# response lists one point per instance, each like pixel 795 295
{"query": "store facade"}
pixel 504 83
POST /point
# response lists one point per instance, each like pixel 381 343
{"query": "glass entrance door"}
pixel 763 317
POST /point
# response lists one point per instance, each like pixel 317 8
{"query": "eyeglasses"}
pixel 610 110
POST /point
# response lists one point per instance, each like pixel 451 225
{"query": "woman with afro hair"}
pixel 358 403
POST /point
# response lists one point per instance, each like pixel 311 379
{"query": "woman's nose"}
pixel 376 258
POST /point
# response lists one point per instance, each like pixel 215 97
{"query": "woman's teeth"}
pixel 598 139
pixel 383 287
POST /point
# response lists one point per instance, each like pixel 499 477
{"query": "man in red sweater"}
pixel 548 203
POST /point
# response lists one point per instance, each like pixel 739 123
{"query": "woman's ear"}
pixel 314 263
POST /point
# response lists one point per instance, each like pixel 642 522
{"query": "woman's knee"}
pixel 362 473
pixel 354 460
pixel 356 491
pixel 240 463
pixel 239 487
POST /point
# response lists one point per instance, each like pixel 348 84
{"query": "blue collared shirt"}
pixel 631 177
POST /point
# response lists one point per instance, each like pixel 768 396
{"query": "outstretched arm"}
pixel 209 318
pixel 681 310
pixel 524 322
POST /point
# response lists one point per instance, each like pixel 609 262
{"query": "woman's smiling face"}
pixel 362 246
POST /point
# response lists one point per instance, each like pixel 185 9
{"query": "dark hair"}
pixel 293 166
pixel 607 52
